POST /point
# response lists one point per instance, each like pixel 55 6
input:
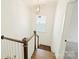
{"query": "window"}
pixel 41 23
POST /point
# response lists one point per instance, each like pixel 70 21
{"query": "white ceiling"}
pixel 35 2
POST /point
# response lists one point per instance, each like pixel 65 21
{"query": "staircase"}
pixel 40 51
pixel 44 47
pixel 43 52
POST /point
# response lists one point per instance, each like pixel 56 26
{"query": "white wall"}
pixel 15 20
pixel 47 10
pixel 72 34
pixel 58 26
pixel 15 23
pixel 70 31
pixel 59 36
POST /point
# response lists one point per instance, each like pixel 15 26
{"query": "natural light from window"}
pixel 41 23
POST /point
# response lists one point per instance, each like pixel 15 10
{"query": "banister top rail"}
pixel 19 41
pixel 11 39
pixel 25 42
pixel 32 36
pixel 37 35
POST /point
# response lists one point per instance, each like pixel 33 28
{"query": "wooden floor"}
pixel 43 54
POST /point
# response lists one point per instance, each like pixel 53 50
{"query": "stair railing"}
pixel 25 42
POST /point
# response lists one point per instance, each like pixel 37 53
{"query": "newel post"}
pixel 38 42
pixel 35 40
pixel 25 45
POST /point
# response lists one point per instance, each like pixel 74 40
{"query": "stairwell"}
pixel 40 51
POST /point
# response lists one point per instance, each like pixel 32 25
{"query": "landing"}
pixel 43 54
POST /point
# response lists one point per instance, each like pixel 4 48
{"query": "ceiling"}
pixel 41 2
pixel 35 2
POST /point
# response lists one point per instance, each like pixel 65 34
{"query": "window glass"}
pixel 41 23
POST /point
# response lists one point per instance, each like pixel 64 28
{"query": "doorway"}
pixel 71 31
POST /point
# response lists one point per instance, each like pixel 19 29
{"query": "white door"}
pixel 70 33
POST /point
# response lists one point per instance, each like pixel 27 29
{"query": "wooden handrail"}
pixel 11 39
pixel 30 38
pixel 25 43
pixel 37 35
